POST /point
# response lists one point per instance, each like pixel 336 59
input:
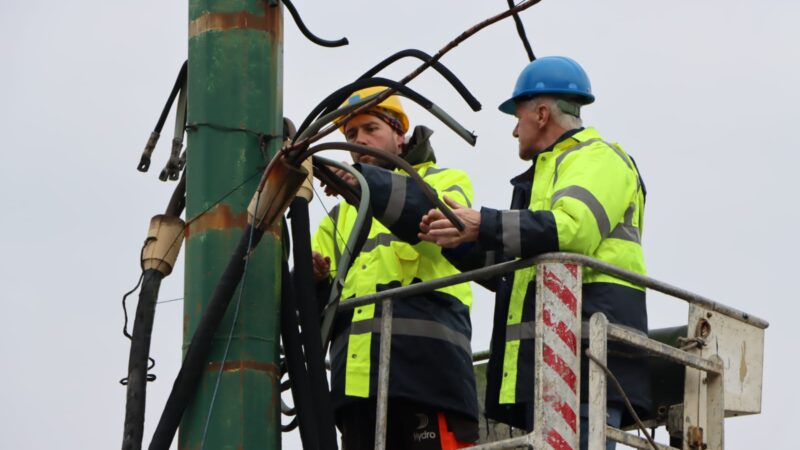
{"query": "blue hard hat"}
pixel 557 75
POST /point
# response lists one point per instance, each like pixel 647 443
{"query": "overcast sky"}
pixel 702 93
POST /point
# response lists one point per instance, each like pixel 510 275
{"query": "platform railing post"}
pixel 715 408
pixel 558 333
pixel 598 346
pixel 383 375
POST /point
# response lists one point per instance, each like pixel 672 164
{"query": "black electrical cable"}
pixel 326 175
pixel 293 351
pixel 426 189
pixel 307 33
pixel 177 202
pixel 138 366
pixel 439 67
pixel 306 302
pixel 188 378
pixel 521 31
pixel 138 360
pixel 144 162
pixel 338 97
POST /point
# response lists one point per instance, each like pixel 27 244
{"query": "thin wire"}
pixel 230 334
pixel 335 228
pixel 148 376
pixel 226 195
pixel 125 308
pixel 170 300
pixel 624 397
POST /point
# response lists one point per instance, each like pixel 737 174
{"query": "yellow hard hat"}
pixel 390 108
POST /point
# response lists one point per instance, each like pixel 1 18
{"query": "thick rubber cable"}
pixel 307 33
pixel 437 66
pixel 136 393
pixel 310 322
pixel 295 364
pixel 521 31
pixel 179 81
pixel 185 386
pixel 338 97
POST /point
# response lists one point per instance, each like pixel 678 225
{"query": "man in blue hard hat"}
pixel 581 194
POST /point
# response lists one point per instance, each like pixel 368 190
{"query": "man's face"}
pixel 529 129
pixel 371 131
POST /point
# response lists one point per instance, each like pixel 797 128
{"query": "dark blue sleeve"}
pixel 518 233
pixel 396 200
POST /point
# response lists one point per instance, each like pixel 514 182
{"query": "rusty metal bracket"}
pixel 695 438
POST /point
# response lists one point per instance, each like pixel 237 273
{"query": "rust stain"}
pixel 233 366
pixel 218 218
pixel 743 363
pixel 270 22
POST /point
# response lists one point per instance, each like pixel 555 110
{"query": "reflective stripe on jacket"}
pixel 431 361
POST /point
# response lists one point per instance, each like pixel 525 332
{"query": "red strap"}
pixel 448 439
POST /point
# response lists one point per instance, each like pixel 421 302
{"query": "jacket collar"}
pixel 568 139
pixel 418 149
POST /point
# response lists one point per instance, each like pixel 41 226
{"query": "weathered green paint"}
pixel 235 81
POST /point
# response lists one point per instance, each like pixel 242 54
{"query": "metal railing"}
pixel 559 285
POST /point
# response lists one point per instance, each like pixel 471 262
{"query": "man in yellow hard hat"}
pixel 432 397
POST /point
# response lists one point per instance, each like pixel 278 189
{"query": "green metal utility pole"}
pixel 235 90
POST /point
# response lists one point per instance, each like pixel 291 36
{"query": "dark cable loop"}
pixel 394 159
pixel 307 33
pixel 338 97
pixel 436 65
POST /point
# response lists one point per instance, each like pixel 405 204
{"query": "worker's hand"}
pixel 344 175
pixel 321 266
pixel 436 228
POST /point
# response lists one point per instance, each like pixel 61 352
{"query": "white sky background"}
pixel 704 94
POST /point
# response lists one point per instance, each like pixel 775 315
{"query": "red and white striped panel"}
pixel 558 331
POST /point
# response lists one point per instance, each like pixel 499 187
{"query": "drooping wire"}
pixel 224 196
pixel 335 228
pixel 125 307
pixel 230 334
pixel 521 31
pixel 149 376
pixel 619 389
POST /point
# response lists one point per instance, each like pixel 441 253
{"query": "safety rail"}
pixel 557 392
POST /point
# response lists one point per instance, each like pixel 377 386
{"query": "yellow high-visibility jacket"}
pixel 431 356
pixel 581 195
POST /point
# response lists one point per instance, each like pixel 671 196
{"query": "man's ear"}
pixel 542 114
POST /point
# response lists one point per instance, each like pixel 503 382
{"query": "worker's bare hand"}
pixel 436 228
pixel 321 266
pixel 344 175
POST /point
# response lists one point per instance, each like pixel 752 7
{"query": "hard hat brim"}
pixel 510 106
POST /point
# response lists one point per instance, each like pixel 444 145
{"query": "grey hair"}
pixel 561 118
